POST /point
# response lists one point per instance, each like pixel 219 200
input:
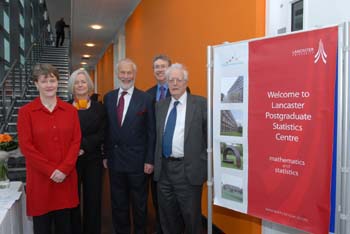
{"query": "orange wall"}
pixel 92 75
pixel 183 29
pixel 105 72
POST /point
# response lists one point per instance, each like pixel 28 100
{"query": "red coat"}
pixel 49 141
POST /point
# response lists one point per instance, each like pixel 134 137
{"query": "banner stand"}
pixel 210 139
pixel 341 213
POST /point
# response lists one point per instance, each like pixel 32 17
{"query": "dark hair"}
pixel 162 57
pixel 44 69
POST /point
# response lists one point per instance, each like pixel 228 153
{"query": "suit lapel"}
pixel 190 109
pixel 131 108
pixel 114 102
pixel 163 111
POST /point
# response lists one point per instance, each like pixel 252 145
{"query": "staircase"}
pixel 58 57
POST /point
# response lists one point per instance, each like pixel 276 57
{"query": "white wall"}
pixel 317 13
pixel 327 12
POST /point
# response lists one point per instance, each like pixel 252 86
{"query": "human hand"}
pixel 148 168
pixel 81 152
pixel 58 176
pixel 105 163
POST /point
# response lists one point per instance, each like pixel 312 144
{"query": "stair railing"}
pixel 17 79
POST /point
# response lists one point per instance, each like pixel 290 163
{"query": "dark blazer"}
pixel 195 142
pixel 153 92
pixel 129 147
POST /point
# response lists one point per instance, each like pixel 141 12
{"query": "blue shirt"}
pixel 158 90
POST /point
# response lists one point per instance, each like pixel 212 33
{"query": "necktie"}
pixel 162 93
pixel 169 131
pixel 120 108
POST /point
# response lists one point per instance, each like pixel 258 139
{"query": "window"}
pixel 297 15
pixel 6 22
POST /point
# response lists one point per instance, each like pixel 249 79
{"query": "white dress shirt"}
pixel 127 98
pixel 179 132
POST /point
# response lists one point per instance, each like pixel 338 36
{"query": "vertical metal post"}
pixel 343 154
pixel 210 137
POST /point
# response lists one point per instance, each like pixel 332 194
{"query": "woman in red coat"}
pixel 49 138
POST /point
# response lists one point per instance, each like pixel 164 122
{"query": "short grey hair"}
pixel 127 61
pixel 74 76
pixel 177 66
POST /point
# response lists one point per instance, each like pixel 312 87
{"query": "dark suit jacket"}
pixel 195 142
pixel 129 147
pixel 153 92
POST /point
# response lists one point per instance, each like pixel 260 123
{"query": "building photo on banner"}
pixel 273 137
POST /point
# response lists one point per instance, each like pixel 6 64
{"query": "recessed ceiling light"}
pixel 83 63
pixel 96 26
pixel 86 56
pixel 90 44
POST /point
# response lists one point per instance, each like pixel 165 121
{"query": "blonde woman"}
pixel 89 164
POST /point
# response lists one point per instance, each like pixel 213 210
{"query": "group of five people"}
pixel 159 135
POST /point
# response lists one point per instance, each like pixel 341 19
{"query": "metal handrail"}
pixel 8 73
pixel 10 93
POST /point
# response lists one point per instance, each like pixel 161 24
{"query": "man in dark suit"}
pixel 129 148
pixel 158 92
pixel 180 167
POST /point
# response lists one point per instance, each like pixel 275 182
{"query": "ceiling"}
pixel 110 14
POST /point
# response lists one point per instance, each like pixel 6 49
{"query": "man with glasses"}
pixel 180 164
pixel 160 90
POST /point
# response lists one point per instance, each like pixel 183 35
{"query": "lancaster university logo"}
pixel 321 53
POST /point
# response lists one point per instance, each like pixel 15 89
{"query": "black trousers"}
pixel 57 222
pixel 179 201
pixel 90 177
pixel 154 194
pixel 59 36
pixel 128 189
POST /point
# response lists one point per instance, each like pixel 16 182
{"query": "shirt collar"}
pixel 129 91
pixel 164 85
pixel 182 99
pixel 37 105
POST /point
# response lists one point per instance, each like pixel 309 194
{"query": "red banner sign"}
pixel 290 128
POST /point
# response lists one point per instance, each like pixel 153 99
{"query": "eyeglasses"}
pixel 177 80
pixel 160 66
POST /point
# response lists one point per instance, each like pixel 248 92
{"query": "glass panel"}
pixel 7 50
pixel 21 39
pixel 297 15
pixel 6 22
pixel 22 59
pixel 21 20
pixel 22 2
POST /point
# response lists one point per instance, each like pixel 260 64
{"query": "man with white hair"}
pixel 129 148
pixel 180 166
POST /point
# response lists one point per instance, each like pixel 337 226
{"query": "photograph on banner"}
pixel 230 104
pixel 232 188
pixel 231 123
pixel 231 155
pixel 232 89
